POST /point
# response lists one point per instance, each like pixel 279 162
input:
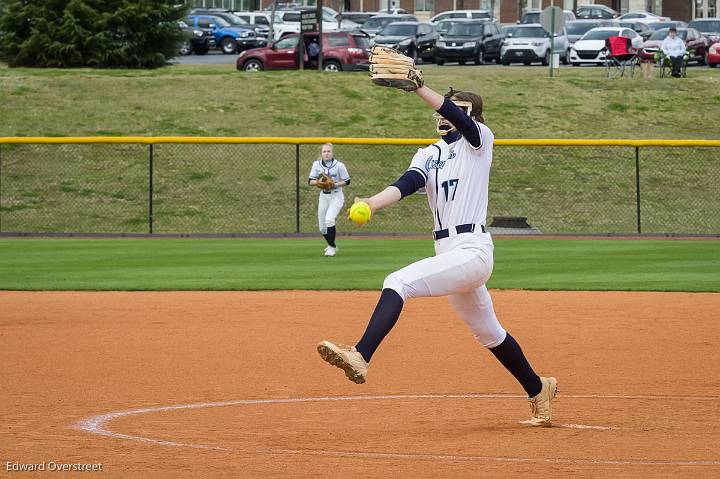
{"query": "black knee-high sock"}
pixel 330 236
pixel 382 321
pixel 511 356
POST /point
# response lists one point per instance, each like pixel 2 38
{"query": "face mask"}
pixel 443 127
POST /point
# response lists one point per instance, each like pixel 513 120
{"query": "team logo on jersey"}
pixel 431 164
pixel 452 155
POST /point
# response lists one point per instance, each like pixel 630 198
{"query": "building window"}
pixel 424 5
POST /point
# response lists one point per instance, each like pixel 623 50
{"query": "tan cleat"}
pixel 346 358
pixel 540 404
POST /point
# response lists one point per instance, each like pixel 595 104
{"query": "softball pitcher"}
pixel 329 175
pixel 454 172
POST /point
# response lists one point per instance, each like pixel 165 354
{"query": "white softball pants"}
pixel 329 205
pixel 460 268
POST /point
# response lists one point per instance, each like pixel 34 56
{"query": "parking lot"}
pixel 219 58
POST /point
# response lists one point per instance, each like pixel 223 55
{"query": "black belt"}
pixel 467 228
pixel 327 192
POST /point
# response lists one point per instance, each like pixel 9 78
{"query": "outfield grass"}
pixel 251 188
pixel 250 264
pixel 217 100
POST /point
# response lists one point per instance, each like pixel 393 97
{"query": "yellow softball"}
pixel 360 213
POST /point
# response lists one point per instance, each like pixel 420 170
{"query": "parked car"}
pixel 713 58
pixel 696 44
pixel 533 16
pixel 228 38
pixel 342 51
pixel 531 43
pixel 256 18
pixel 472 14
pixel 672 23
pixel 282 6
pixel 591 46
pixel 470 40
pixel 378 22
pixel 261 31
pixel 443 26
pixel 358 17
pixel 330 22
pixel 414 39
pixel 645 17
pixel 595 12
pixel 709 27
pixel 577 28
pixel 288 21
pixel 509 30
pixel 640 28
pixel 196 40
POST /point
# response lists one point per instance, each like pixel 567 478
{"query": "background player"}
pixel 454 172
pixel 331 198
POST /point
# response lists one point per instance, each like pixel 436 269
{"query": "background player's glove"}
pixel 389 67
pixel 324 182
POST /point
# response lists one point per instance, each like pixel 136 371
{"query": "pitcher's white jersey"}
pixel 456 179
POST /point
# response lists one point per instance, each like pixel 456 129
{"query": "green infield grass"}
pixel 361 264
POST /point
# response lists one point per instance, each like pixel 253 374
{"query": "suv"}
pixel 378 22
pixel 255 18
pixel 645 17
pixel 640 28
pixel 577 28
pixel 228 38
pixel 357 17
pixel 414 39
pixel 195 40
pixel 474 14
pixel 340 51
pixel 470 40
pixel 531 43
pixel 533 16
pixel 709 27
pixel 596 12
pixel 288 21
pixel 261 31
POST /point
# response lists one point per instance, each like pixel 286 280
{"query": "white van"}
pixel 475 14
pixel 258 18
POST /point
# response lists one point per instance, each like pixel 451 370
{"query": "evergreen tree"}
pixel 95 33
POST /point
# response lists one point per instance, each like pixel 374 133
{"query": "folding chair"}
pixel 666 66
pixel 620 57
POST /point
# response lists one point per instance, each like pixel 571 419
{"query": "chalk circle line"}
pixel 99 425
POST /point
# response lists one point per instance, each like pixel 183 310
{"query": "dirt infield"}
pixel 89 378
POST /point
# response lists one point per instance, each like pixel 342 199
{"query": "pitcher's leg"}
pixel 436 276
pixel 476 310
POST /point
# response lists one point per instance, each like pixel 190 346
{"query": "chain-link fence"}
pixel 259 186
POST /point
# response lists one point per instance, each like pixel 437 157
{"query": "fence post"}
pixel 297 188
pixel 150 188
pixel 637 186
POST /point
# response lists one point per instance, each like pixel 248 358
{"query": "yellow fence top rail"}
pixel 147 140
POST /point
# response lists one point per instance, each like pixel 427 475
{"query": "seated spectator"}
pixel 313 50
pixel 674 48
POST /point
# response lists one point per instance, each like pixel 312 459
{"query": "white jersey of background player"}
pixel 330 201
pixel 454 172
